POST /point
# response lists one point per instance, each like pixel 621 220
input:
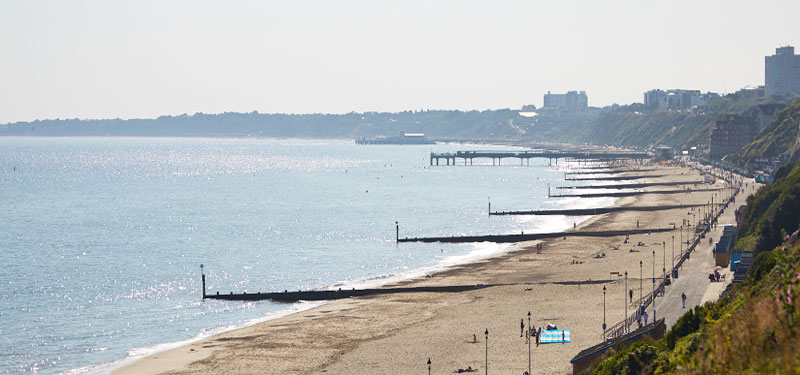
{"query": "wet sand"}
pixel 398 333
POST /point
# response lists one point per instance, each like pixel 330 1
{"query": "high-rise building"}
pixel 676 99
pixel 572 101
pixel 782 72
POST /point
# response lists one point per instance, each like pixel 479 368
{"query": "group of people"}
pixel 531 333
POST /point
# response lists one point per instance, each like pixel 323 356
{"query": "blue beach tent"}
pixel 554 336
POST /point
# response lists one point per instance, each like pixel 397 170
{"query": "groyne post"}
pixel 203 277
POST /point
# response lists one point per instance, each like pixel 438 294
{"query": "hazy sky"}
pixel 107 59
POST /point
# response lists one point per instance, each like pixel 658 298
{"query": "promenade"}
pixel 693 274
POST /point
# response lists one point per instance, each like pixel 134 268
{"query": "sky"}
pixel 144 59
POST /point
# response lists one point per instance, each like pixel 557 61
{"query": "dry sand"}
pixel 398 333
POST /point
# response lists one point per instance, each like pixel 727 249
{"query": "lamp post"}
pixel 640 281
pixel 625 322
pixel 604 316
pixel 530 338
pixel 664 265
pixel 673 253
pixel 429 366
pixel 654 285
pixel 486 366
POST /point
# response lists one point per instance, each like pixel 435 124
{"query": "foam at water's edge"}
pixel 139 353
pixel 478 252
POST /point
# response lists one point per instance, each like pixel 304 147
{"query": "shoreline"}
pixel 408 312
pixel 376 282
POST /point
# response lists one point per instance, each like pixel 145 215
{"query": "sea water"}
pixel 102 238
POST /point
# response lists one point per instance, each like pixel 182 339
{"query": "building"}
pixel 765 113
pixel 730 133
pixel 782 72
pixel 751 92
pixel 572 101
pixel 674 100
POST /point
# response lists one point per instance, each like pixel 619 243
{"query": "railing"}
pixel 621 328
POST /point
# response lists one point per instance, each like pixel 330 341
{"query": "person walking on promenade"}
pixel 630 294
pixel 683 299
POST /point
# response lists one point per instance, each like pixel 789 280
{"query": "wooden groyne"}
pixel 620 194
pixel 615 178
pixel 319 295
pixel 469 156
pixel 633 186
pixel 609 171
pixel 511 238
pixel 596 211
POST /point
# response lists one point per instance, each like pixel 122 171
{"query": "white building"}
pixel 572 101
pixel 676 99
pixel 782 72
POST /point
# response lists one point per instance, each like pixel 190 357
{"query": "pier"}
pixel 524 156
pixel 596 211
pixel 512 238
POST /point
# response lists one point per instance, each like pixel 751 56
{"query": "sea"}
pixel 103 239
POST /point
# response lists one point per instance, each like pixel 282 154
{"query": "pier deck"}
pixel 523 156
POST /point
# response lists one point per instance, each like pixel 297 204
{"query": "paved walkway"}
pixel 693 275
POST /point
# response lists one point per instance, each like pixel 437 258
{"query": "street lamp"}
pixel 604 313
pixel 530 338
pixel 604 316
pixel 640 282
pixel 625 322
pixel 486 366
pixel 664 265
pixel 429 366
pixel 654 286
pixel 673 253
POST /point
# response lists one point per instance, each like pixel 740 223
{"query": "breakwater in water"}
pixel 596 211
pixel 507 238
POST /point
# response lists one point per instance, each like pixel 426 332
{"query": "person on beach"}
pixel 538 334
pixel 683 299
pixel 521 327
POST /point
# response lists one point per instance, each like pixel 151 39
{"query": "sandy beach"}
pixel 398 333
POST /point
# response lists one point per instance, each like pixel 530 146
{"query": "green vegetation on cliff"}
pixel 752 328
pixel 632 125
pixel 782 136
